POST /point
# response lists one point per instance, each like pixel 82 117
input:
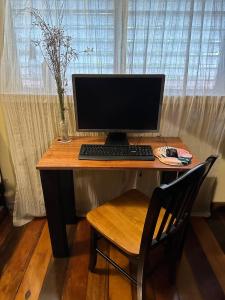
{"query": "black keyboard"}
pixel 118 152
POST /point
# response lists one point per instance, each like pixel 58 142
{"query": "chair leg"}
pixel 175 250
pixel 173 255
pixel 93 252
pixel 182 240
pixel 141 279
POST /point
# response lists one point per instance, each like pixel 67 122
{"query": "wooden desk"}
pixel 56 169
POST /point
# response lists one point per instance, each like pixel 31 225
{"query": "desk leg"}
pixel 67 195
pixel 60 207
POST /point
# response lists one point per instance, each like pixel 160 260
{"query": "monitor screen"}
pixel 118 102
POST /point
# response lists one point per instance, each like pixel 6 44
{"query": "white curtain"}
pixel 182 39
pixel 2 9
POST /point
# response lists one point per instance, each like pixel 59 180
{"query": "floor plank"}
pixel 15 267
pixel 217 226
pixel 212 250
pixel 54 280
pixel 9 238
pixel 186 285
pixel 206 279
pixel 98 281
pixel 52 288
pixel 6 227
pixel 119 286
pixel 77 273
pixel 34 276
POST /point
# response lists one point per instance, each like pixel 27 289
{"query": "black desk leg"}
pixel 58 193
pixel 67 195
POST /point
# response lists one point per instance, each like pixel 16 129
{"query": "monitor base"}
pixel 116 138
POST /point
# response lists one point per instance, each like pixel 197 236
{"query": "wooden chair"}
pixel 208 165
pixel 135 224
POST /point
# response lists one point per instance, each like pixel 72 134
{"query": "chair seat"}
pixel 121 220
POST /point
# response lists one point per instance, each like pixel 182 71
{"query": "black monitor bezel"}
pixel 74 76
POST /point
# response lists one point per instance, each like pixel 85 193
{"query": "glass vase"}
pixel 63 131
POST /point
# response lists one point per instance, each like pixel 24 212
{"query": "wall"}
pixel 214 183
pixel 218 169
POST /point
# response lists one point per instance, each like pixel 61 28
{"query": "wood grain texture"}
pixel 119 286
pixel 65 156
pixel 217 226
pixel 34 276
pixel 75 285
pixel 98 281
pixel 10 237
pixel 121 220
pixel 209 244
pixel 186 284
pixel 15 268
pixel 5 229
pixel 52 288
pixel 203 273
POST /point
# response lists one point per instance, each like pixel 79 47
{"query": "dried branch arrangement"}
pixel 57 51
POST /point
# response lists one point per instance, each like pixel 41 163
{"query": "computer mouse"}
pixel 171 152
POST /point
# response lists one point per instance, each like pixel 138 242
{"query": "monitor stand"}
pixel 116 138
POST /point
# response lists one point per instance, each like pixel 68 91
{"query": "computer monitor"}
pixel 118 103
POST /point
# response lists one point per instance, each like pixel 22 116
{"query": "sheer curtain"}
pixel 2 9
pixel 183 39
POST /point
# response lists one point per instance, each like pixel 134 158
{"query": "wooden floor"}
pixel 28 270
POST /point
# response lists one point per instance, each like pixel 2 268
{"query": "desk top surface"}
pixel 65 156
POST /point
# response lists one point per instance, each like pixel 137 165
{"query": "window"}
pixel 89 26
pixel 183 39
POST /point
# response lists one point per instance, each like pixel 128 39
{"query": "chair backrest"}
pixel 209 163
pixel 174 201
